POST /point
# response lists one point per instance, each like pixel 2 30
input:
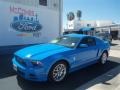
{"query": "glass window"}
pixel 66 41
pixel 43 2
pixel 89 41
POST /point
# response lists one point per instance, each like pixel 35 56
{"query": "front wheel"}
pixel 58 72
pixel 104 58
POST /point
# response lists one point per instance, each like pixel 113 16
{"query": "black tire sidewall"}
pixel 101 58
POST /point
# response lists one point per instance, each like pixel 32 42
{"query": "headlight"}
pixel 36 63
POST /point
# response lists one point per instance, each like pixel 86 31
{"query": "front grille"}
pixel 20 61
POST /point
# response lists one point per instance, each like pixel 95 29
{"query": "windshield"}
pixel 66 41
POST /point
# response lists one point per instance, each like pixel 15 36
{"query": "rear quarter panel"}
pixel 102 46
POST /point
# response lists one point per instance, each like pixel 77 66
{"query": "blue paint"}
pixel 48 54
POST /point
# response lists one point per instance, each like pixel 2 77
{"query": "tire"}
pixel 58 72
pixel 103 58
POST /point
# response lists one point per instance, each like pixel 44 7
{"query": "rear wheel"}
pixel 104 58
pixel 58 72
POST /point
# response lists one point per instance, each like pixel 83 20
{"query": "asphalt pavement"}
pixel 94 77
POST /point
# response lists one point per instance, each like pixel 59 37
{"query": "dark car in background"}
pixel 105 36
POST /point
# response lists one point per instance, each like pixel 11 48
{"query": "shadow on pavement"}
pixel 6 69
pixel 74 80
pixel 113 44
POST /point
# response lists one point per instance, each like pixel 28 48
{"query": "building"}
pixel 77 24
pixel 114 30
pixel 99 25
pixel 25 22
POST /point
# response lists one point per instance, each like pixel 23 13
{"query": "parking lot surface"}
pixel 95 77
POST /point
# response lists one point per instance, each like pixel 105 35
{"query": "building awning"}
pixel 86 29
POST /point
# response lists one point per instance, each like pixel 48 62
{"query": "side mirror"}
pixel 83 46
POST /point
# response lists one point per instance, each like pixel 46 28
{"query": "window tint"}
pixel 89 41
pixel 43 2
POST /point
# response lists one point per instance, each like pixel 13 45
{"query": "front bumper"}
pixel 29 73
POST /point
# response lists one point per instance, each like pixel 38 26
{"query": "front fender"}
pixel 50 61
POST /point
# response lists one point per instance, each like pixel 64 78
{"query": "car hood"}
pixel 41 51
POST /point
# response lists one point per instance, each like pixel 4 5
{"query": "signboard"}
pixel 22 24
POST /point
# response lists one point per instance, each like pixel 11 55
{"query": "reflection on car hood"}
pixel 41 51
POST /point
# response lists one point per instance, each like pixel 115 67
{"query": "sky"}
pixel 93 9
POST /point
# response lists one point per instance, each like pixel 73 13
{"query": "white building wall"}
pixel 24 2
pixel 103 23
pixel 51 4
pixel 49 18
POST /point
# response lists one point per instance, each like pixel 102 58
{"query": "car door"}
pixel 86 54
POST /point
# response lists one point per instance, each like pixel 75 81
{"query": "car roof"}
pixel 77 35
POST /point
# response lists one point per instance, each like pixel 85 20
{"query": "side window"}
pixel 89 41
pixel 84 41
pixel 43 2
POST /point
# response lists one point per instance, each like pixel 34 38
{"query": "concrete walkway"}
pixel 115 53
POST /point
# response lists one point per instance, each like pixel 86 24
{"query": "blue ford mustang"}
pixel 54 60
